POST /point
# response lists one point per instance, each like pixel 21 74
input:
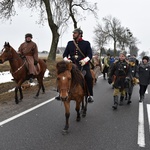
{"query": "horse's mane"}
pixel 77 77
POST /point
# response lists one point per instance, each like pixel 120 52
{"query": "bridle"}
pixel 9 52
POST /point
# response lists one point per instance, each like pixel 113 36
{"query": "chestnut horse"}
pixel 71 86
pixel 19 70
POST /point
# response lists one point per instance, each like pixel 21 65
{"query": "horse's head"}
pixel 64 79
pixel 6 53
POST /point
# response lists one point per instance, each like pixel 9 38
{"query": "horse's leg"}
pixel 16 95
pixel 67 115
pixel 85 106
pixel 40 81
pixel 21 94
pixel 78 110
pixel 43 88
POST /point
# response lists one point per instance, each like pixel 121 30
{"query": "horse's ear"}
pixel 69 66
pixel 6 44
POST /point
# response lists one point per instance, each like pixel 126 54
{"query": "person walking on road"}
pixel 120 71
pixel 144 76
pixel 106 66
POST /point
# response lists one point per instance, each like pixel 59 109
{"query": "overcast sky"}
pixel 133 14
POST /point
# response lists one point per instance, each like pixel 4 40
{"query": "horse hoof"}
pixel 84 115
pixel 78 119
pixel 36 97
pixel 64 132
pixel 17 102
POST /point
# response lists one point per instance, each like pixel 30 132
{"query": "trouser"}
pixel 119 91
pixel 105 71
pixel 89 81
pixel 142 89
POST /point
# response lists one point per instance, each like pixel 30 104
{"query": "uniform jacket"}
pixel 30 51
pixel 144 73
pixel 120 70
pixel 71 51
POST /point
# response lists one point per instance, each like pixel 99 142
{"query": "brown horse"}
pixel 19 70
pixel 71 86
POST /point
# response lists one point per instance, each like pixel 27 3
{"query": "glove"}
pixel 35 62
pixel 109 80
pixel 84 61
pixel 67 60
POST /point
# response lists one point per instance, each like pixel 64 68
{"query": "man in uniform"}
pixel 120 70
pixel 29 50
pixel 79 52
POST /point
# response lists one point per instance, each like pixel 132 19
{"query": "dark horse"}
pixel 19 70
pixel 71 86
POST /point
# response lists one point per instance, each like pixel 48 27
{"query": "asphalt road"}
pixel 102 128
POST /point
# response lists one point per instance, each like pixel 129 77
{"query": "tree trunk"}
pixel 54 29
pixel 115 51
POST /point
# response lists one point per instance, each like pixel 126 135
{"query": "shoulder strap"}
pixel 82 53
pixel 78 48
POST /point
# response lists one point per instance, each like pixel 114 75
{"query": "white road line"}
pixel 141 134
pixel 100 76
pixel 25 112
pixel 148 112
pixel 146 92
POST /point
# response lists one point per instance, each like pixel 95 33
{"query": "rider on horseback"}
pixel 29 50
pixel 80 53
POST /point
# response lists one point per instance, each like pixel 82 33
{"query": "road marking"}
pixel 25 112
pixel 148 112
pixel 141 135
pixel 100 76
pixel 146 92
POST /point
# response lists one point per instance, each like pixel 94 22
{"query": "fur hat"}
pixel 146 57
pixel 28 35
pixel 123 53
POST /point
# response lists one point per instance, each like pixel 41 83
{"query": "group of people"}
pixel 123 73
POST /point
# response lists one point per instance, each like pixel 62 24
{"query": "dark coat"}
pixel 71 51
pixel 144 74
pixel 119 71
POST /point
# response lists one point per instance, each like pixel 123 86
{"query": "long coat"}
pixel 30 51
pixel 144 74
pixel 120 70
pixel 71 51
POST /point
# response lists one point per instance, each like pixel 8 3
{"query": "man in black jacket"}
pixel 121 72
pixel 79 52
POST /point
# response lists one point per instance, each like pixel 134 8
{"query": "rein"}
pixel 19 68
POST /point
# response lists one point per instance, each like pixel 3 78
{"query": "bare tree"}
pixel 100 38
pixel 52 8
pixel 76 6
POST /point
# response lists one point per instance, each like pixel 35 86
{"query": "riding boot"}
pixel 141 98
pixel 115 102
pixel 121 100
pixel 129 99
pixel 58 98
pixel 31 78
